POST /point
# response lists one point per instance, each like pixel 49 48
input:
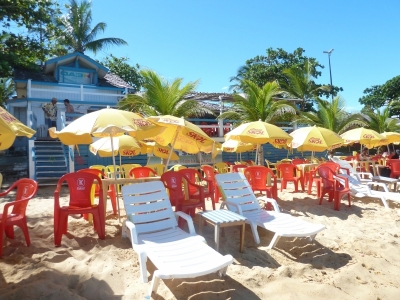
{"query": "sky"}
pixel 210 39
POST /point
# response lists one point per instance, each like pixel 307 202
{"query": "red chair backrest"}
pixel 80 185
pixel 331 165
pixel 326 175
pixel 173 181
pixel 235 168
pixel 257 176
pixel 141 172
pixel 209 172
pixel 193 176
pixel 298 161
pixel 26 189
pixel 394 165
pixel 286 170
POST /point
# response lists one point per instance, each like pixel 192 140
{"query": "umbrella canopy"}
pixel 316 139
pixel 182 135
pixel 10 128
pixel 393 137
pixel 158 150
pixel 364 136
pixel 104 123
pixel 124 145
pixel 259 132
pixel 237 146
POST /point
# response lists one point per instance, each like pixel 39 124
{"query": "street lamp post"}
pixel 330 71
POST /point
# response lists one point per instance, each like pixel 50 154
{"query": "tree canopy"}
pixel 162 97
pixel 332 115
pixel 78 33
pixel 18 49
pixel 262 69
pixel 380 95
pixel 121 67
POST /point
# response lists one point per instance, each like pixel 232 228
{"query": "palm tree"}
pixel 7 89
pixel 161 97
pixel 299 84
pixel 380 121
pixel 332 115
pixel 259 104
pixel 78 34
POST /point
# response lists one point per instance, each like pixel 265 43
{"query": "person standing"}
pixel 68 109
pixel 50 113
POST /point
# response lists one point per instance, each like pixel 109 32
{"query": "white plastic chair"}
pixel 240 198
pixel 346 167
pixel 359 189
pixel 153 230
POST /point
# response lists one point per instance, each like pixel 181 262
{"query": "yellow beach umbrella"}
pixel 237 146
pixel 364 136
pixel 258 133
pixel 181 135
pixel 315 139
pixel 124 145
pixel 393 137
pixel 10 128
pixel 158 150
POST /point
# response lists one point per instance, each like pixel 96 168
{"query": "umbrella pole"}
pixel 115 176
pixel 172 149
pixel 148 159
pixel 255 160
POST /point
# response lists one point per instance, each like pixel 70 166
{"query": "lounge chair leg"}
pixel 255 233
pixel 274 240
pixel 222 272
pixel 155 282
pixel 143 267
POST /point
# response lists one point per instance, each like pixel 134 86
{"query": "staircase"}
pixel 50 162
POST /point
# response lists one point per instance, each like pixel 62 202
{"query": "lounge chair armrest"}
pixel 381 184
pixel 226 203
pixel 132 229
pixel 272 201
pixel 189 221
pixel 368 174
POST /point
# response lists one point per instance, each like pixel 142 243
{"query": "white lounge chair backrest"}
pixel 346 165
pixel 156 215
pixel 236 189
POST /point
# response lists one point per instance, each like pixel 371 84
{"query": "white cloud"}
pixel 225 88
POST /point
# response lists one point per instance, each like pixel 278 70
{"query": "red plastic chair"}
pixel 341 189
pixel 26 190
pixel 299 161
pixel 141 172
pixel 288 171
pixel 258 176
pixel 209 173
pixel 174 183
pixel 327 183
pixel 195 177
pixel 314 178
pixel 235 168
pixel 111 189
pixel 394 165
pixel 80 186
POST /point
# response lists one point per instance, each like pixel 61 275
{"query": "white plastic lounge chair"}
pixel 358 189
pixel 239 197
pixel 346 167
pixel 153 230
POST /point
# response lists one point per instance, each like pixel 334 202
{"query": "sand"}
pixel 356 257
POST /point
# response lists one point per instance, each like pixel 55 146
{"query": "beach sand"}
pixel 356 257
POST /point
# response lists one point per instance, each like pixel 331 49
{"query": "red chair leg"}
pixel 9 230
pixel 24 227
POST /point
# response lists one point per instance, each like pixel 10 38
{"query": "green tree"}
pixel 7 89
pixel 332 115
pixel 299 84
pixel 19 50
pixel 380 120
pixel 262 69
pixel 123 69
pixel 161 97
pixel 78 35
pixel 380 95
pixel 259 104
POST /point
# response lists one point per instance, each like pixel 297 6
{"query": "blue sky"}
pixel 210 39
